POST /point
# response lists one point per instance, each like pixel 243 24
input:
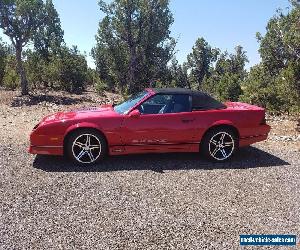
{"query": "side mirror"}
pixel 135 113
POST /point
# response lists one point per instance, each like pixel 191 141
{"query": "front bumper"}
pixel 45 144
pixel 46 150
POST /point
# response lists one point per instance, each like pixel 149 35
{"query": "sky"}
pixel 223 24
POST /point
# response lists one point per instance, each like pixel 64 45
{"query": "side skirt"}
pixel 158 148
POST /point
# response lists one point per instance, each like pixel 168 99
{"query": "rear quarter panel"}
pixel 244 120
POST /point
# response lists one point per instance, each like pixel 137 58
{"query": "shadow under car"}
pixel 249 157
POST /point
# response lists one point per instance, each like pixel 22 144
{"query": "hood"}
pixel 80 113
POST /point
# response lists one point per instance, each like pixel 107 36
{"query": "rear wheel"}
pixel 219 144
pixel 86 146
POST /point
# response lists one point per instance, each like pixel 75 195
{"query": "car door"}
pixel 166 122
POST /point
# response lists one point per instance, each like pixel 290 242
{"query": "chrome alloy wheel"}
pixel 86 148
pixel 221 146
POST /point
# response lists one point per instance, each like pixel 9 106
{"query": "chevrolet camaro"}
pixel 152 121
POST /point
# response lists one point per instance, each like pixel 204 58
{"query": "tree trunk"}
pixel 132 69
pixel 21 70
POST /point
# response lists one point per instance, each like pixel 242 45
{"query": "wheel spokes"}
pixel 79 144
pixel 86 148
pixel 223 153
pixel 88 140
pixel 90 155
pixel 222 138
pixel 82 152
pixel 214 142
pixel 221 145
pixel 215 151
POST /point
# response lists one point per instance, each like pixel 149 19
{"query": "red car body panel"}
pixel 170 132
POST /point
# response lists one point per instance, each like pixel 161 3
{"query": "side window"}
pixel 155 104
pixel 162 104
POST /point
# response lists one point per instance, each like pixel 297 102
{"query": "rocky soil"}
pixel 167 201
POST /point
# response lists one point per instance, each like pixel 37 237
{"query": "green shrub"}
pixel 11 79
pixel 228 88
pixel 100 87
pixel 67 70
pixel 72 70
pixel 278 93
pixel 3 55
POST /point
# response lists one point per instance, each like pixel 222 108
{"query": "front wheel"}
pixel 86 146
pixel 219 144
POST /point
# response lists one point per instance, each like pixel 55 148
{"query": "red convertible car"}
pixel 155 120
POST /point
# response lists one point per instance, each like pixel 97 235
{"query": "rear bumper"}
pixel 46 150
pixel 259 133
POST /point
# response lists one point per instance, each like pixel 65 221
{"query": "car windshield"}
pixel 124 107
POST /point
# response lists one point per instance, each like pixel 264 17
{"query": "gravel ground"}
pixel 167 201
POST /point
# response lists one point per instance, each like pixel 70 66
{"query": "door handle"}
pixel 187 120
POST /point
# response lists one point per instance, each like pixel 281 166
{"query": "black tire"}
pixel 80 151
pixel 213 148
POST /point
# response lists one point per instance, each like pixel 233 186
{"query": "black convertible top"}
pixel 200 100
pixel 175 91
